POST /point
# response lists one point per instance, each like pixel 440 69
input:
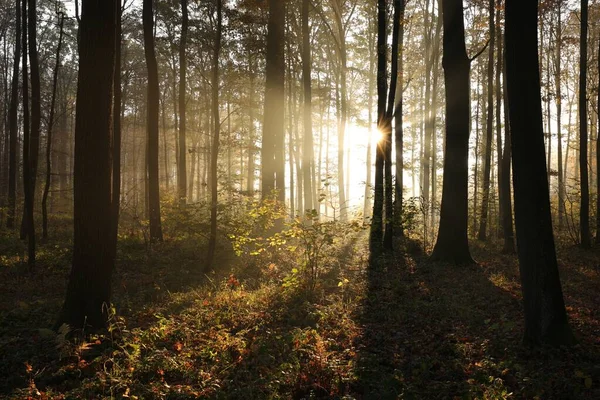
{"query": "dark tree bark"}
pixel 584 210
pixel 181 162
pixel 13 121
pixel 307 142
pixel 452 243
pixel 272 152
pixel 116 140
pixel 152 122
pixel 545 315
pixel 376 233
pixel 387 137
pixel 49 136
pixel 88 295
pixel 27 227
pixel 487 166
pixel 398 127
pixel 507 218
pixel 558 100
pixel 36 116
pixel 598 156
pixel 216 137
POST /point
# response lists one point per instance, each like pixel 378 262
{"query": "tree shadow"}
pixel 440 331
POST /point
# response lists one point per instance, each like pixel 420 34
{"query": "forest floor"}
pixel 409 329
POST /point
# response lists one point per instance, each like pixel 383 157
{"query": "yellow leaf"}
pixel 578 374
pixel 588 382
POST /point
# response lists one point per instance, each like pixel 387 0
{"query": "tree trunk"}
pixel 398 127
pixel 116 142
pixel 27 226
pixel 558 101
pixel 49 136
pixel 87 300
pixel 152 123
pixel 212 243
pixel 13 123
pixel 181 162
pixel 452 243
pixel 272 153
pixel 251 165
pixel 545 315
pixel 584 211
pixel 485 199
pixel 507 219
pixel 307 143
pixel 598 156
pixel 376 233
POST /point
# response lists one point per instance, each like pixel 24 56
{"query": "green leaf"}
pixel 588 382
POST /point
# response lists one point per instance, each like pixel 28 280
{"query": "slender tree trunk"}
pixel 152 122
pixel 584 211
pixel 545 314
pixel 27 227
pixel 598 156
pixel 485 200
pixel 87 301
pixel 116 142
pixel 507 219
pixel 49 137
pixel 181 162
pixel 251 165
pixel 214 194
pixel 13 123
pixel 398 125
pixel 307 143
pixel 452 243
pixel 558 100
pixel 272 153
pixel 498 87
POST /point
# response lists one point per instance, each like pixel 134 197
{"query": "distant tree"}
pixel 487 167
pixel 89 289
pixel 50 128
pixel 584 210
pixel 452 243
pixel 27 226
pixel 116 142
pixel 13 122
pixel 545 314
pixel 272 152
pixel 398 124
pixel 216 135
pixel 181 162
pixel 307 143
pixel 152 122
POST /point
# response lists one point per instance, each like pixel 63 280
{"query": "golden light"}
pixel 377 136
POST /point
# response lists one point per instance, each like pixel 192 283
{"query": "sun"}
pixel 358 136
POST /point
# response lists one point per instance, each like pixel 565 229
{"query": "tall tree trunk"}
pixel 272 154
pixel 598 156
pixel 27 226
pixel 181 162
pixel 116 141
pixel 398 125
pixel 387 137
pixel 545 315
pixel 88 295
pixel 49 136
pixel 13 123
pixel 487 166
pixel 452 243
pixel 152 122
pixel 376 233
pixel 343 59
pixel 558 100
pixel 371 93
pixel 498 87
pixel 214 156
pixel 507 219
pixel 251 165
pixel 584 211
pixel 307 142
